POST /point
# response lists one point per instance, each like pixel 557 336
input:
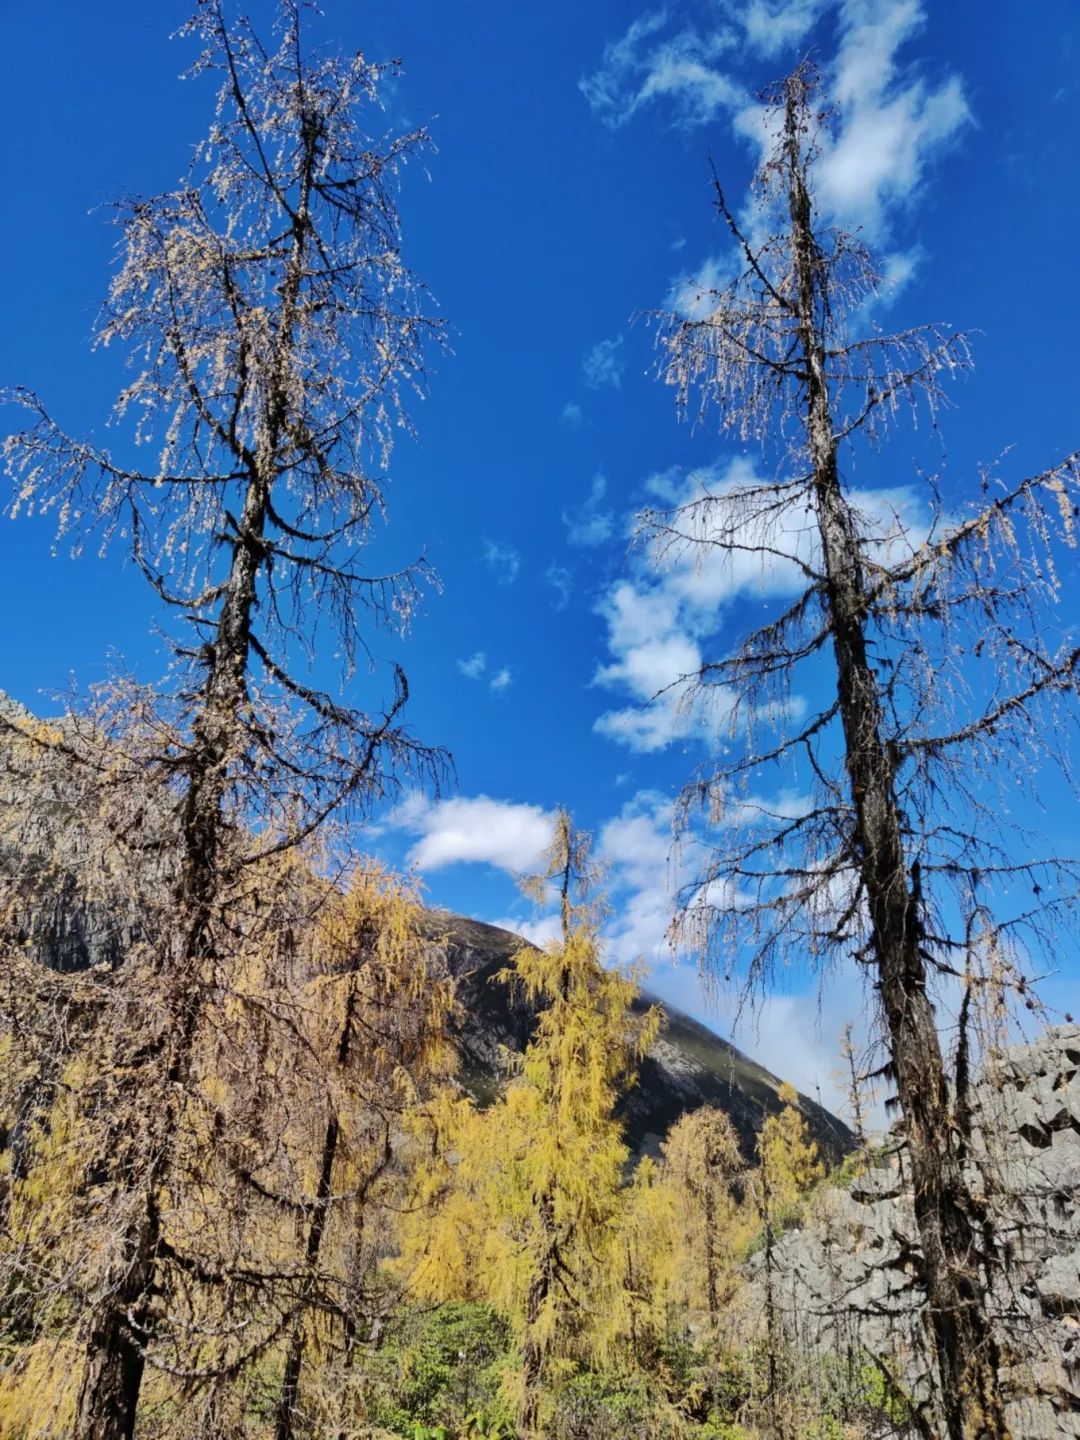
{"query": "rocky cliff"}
pixel 848 1280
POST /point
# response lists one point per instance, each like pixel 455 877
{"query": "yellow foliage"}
pixel 702 1166
pixel 529 1193
pixel 319 1033
pixel 789 1158
pixel 38 1390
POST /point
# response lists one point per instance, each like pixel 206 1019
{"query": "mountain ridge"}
pixel 689 1065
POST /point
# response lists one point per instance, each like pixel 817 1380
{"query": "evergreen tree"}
pixel 703 1160
pixel 535 1182
pixel 274 331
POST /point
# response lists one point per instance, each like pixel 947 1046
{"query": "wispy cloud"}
pixel 772 26
pixel 644 66
pixel 652 652
pixel 891 120
pixel 589 524
pixel 539 932
pixel 892 123
pixel 504 559
pixel 635 845
pixel 562 584
pixel 604 364
pixel 475 667
pixel 693 293
pixel 572 415
pixel 660 618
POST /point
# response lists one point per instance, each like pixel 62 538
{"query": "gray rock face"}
pixel 849 1278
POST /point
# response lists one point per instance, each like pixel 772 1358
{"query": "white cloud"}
pixel 610 90
pixel 640 67
pixel 639 837
pixel 475 667
pixel 644 877
pixel 890 124
pixel 650 666
pixel 774 25
pixel 479 830
pixel 503 559
pixel 572 415
pixel 693 293
pixel 589 525
pixel 539 932
pixel 897 271
pixel 634 845
pixel 660 617
pixel 562 583
pixel 891 121
pixel 604 364
pixel 653 654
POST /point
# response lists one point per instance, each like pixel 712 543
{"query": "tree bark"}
pixel 109 1392
pixel 965 1351
pixel 711 1277
pixel 294 1359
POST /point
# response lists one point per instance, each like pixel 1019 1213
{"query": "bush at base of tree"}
pixel 443 1368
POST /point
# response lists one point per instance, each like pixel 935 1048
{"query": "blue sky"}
pixel 569 190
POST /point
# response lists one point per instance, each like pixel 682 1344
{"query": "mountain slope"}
pixel 688 1066
pixel 87 920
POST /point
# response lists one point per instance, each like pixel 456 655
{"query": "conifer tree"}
pixel 534 1186
pixel 704 1162
pixel 928 646
pixel 374 1042
pixel 654 1264
pixel 857 1095
pixel 274 331
pixel 788 1167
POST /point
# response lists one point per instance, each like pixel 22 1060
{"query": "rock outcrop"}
pixel 848 1280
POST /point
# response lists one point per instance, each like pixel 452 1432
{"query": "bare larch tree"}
pixel 925 641
pixel 274 332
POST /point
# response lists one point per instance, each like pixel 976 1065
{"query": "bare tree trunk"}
pixel 294 1359
pixel 774 1337
pixel 114 1350
pixel 109 1392
pixel 966 1354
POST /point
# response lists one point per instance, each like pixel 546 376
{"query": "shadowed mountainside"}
pixel 83 923
pixel 688 1066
